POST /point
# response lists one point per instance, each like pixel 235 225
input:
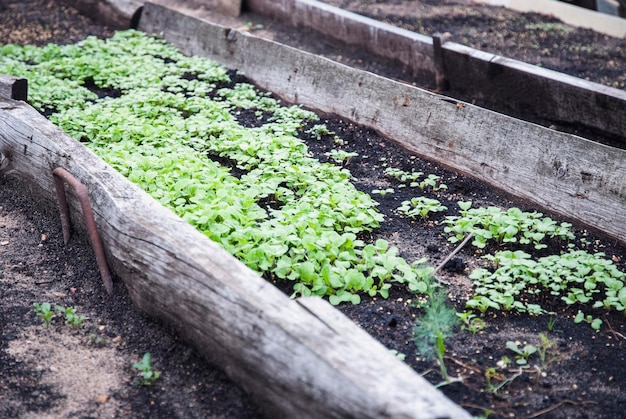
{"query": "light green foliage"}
pixel 596 323
pixel 577 277
pixel 383 192
pixel 431 181
pixel 341 156
pixel 420 206
pixel 471 322
pixel 147 374
pixel 521 353
pixel 44 311
pixel 71 318
pixel 511 226
pixel 170 116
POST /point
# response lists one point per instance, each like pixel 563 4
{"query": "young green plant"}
pixel 147 374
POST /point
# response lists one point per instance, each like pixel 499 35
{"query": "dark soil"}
pixel 581 375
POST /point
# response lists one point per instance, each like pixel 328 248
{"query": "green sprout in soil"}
pixel 383 192
pixel 433 328
pixel 521 353
pixel 148 376
pixel 71 318
pixel 577 277
pixel 44 311
pixel 420 207
pixel 340 156
pixel 432 181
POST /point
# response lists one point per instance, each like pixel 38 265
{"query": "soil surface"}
pixel 64 372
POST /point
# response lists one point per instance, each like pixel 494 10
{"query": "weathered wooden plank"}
pixel 564 173
pixel 13 87
pixel 288 354
pixel 491 79
pixel 524 89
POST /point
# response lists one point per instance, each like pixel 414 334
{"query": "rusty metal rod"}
pixel 60 177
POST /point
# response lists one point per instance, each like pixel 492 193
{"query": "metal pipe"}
pixel 60 177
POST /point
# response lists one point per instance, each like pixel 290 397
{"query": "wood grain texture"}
pixel 578 178
pixel 297 358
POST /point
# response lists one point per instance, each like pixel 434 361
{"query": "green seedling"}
pixel 71 318
pixel 521 354
pixel 492 373
pixel 341 156
pixel 595 323
pixel 44 311
pixel 383 192
pixel 504 227
pixel 147 374
pixel 471 322
pixel 551 323
pixel 545 347
pixel 433 328
pixel 577 277
pixel 421 207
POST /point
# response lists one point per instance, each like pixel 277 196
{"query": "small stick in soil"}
pixel 44 282
pixel 556 406
pixel 615 333
pixel 451 255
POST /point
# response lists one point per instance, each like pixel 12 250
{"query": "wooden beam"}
pixel 578 178
pixel 13 87
pixel 297 358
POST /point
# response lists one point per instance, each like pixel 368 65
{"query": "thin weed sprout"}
pixel 433 328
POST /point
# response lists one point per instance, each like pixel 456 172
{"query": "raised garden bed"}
pixel 298 66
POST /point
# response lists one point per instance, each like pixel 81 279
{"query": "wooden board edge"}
pixel 564 173
pixel 12 87
pixel 293 363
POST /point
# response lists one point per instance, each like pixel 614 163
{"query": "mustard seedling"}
pixel 521 353
pixel 420 207
pixel 510 226
pixel 383 192
pixel 71 318
pixel 44 311
pixel 341 156
pixel 595 323
pixel 147 374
